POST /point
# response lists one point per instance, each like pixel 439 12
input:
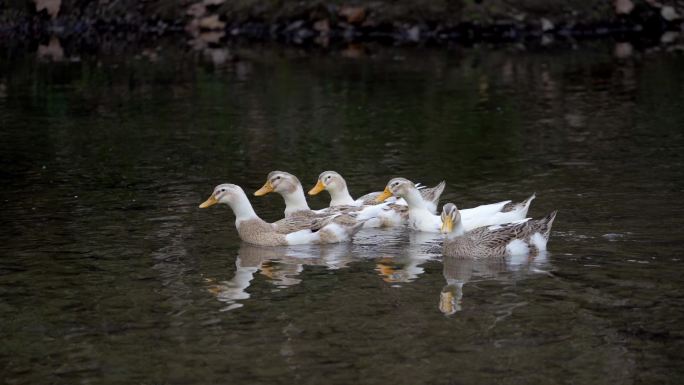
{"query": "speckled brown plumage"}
pixel 511 206
pixel 301 220
pixel 432 194
pixel 491 241
pixel 259 232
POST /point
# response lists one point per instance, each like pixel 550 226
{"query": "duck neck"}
pixel 295 201
pixel 243 209
pixel 340 196
pixel 414 200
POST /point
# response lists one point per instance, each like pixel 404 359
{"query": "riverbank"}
pixel 325 24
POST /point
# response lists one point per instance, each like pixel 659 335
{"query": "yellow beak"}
pixel 385 194
pixel 386 271
pixel 447 224
pixel 209 202
pixel 317 188
pixel 446 303
pixel 265 189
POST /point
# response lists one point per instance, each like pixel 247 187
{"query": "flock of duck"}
pixel 491 230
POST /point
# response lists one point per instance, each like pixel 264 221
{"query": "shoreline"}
pixel 309 24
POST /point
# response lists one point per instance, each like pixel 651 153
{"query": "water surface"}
pixel 111 274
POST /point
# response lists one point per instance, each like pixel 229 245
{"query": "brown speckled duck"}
pixel 522 237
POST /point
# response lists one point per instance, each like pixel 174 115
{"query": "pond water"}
pixel 109 273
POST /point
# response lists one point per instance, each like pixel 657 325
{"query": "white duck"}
pixel 254 230
pixel 335 184
pixel 289 187
pixel 420 217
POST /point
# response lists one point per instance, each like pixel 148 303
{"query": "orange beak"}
pixel 385 194
pixel 317 188
pixel 265 189
pixel 209 202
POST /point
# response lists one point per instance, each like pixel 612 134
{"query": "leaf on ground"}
pixel 211 22
pixel 353 14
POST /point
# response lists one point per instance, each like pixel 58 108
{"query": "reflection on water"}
pixel 110 274
pixel 459 271
pixel 405 265
pixel 280 265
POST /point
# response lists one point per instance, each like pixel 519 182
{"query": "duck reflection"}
pixel 458 271
pixel 279 265
pixel 406 267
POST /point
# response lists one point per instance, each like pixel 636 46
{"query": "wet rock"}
pixel 50 6
pixel 623 7
pixel 669 37
pixel 668 13
pixel 218 56
pixel 547 39
pixel 623 50
pixel 295 25
pixel 53 51
pixel 196 10
pixel 413 34
pixel 322 26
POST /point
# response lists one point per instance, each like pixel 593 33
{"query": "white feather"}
pixel 302 237
pixel 517 247
pixel 423 220
pixel 539 241
pixel 339 233
pixel 483 210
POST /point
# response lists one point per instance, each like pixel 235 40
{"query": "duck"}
pixel 523 237
pixel 420 218
pixel 296 208
pixel 252 229
pixel 290 188
pixel 336 186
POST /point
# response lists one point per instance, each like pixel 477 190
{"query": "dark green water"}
pixel 109 273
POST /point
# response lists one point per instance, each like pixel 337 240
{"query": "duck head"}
pixel 451 219
pixel 280 182
pixel 330 181
pixel 233 196
pixel 225 193
pixel 399 187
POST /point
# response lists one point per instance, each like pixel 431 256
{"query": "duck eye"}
pixel 276 178
pixel 223 190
